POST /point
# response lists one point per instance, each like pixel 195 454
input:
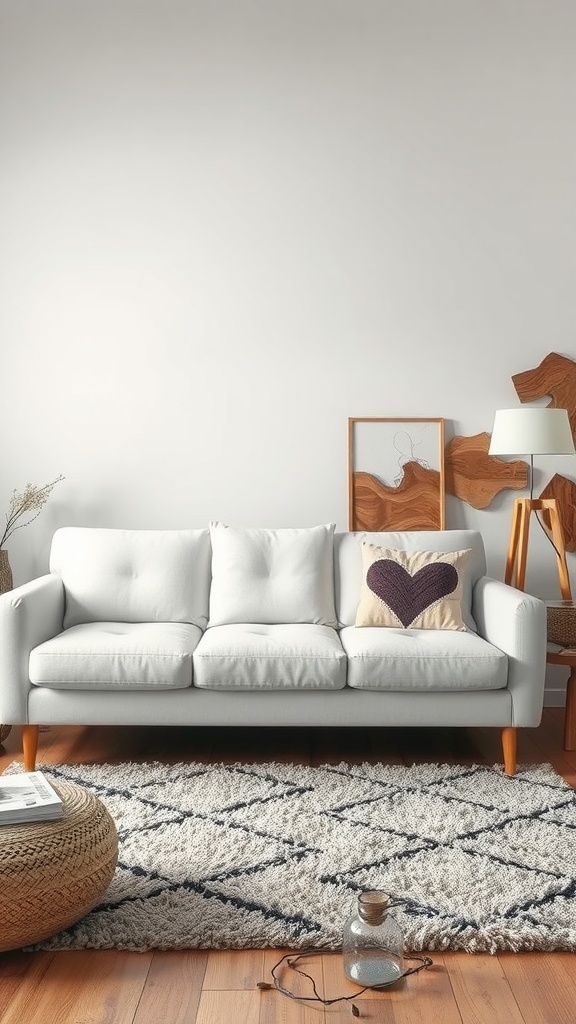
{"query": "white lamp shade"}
pixel 531 432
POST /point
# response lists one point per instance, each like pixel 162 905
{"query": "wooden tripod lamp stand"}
pixel 533 432
pixel 518 546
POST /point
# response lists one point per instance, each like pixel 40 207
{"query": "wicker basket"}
pixel 561 623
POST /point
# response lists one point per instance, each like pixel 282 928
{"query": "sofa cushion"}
pixel 348 563
pixel 421 659
pixel 133 575
pixel 411 589
pixel 270 657
pixel 272 576
pixel 117 656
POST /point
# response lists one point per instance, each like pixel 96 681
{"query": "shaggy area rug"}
pixel 253 856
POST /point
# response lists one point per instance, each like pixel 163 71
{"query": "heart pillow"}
pixel 411 589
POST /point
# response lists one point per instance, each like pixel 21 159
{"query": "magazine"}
pixel 28 796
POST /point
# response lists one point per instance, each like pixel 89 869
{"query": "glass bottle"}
pixel 373 944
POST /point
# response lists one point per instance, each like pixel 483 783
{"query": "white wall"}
pixel 228 225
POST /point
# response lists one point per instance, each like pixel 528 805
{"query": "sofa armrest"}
pixel 29 615
pixel 516 623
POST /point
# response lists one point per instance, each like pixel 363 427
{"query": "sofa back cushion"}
pixel 349 573
pixel 133 575
pixel 272 576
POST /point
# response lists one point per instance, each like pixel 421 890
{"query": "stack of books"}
pixel 28 796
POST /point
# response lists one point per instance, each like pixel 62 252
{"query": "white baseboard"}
pixel 554 696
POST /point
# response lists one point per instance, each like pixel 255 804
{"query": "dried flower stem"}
pixel 28 502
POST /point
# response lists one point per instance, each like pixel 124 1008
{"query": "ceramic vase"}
pixel 6 581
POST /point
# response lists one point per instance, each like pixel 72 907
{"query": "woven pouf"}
pixel 52 873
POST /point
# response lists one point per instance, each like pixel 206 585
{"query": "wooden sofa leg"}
pixel 509 744
pixel 30 746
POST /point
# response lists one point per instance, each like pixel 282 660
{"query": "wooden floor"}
pixel 199 987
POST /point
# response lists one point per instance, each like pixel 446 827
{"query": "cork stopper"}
pixel 373 906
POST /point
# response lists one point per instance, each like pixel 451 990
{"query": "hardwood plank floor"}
pixel 221 987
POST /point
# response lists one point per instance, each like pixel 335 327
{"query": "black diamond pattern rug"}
pixel 253 856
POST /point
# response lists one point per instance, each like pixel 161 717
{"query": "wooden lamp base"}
pixel 518 547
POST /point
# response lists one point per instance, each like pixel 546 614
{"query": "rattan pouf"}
pixel 52 873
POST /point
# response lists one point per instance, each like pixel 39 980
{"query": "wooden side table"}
pixel 566 656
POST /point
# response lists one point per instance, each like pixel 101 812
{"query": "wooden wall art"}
pixel 554 376
pixel 477 477
pixel 397 477
pixel 396 474
pixel 564 491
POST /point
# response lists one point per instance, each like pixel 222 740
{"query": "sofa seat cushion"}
pixel 247 656
pixel 117 656
pixel 421 659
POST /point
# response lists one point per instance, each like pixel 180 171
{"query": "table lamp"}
pixel 533 431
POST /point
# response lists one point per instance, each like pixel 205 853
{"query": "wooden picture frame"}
pixel 396 477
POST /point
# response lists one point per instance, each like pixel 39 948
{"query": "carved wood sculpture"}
pixel 564 491
pixel 476 477
pixel 470 474
pixel 555 376
pixel 413 505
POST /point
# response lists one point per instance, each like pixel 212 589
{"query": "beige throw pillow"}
pixel 411 589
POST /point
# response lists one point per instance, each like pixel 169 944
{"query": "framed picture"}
pixel 395 474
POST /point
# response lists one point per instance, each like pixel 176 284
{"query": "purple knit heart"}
pixel 408 596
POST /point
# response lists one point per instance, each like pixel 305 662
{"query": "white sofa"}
pixel 228 626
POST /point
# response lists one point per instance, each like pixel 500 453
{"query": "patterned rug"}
pixel 252 856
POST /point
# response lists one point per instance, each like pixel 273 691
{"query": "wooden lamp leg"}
pixel 516 559
pixel 522 557
pixel 513 543
pixel 557 537
pixel 509 745
pixel 30 746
